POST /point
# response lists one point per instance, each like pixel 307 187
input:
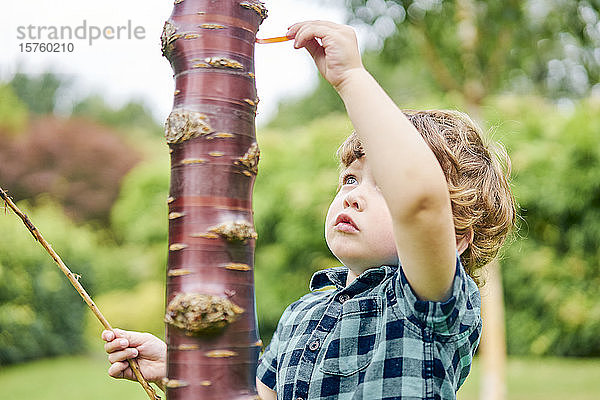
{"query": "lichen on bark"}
pixel 184 125
pixel 235 231
pixel 201 314
pixel 223 62
pixel 249 161
pixel 174 383
pixel 257 6
pixel 168 36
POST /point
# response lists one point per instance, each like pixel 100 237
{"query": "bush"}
pixel 140 213
pixel 141 309
pixel 139 216
pixel 13 113
pixel 552 276
pixel 41 314
pixel 79 163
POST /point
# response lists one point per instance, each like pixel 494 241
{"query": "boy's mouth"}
pixel 345 224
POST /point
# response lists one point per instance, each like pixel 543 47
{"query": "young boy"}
pixel 419 197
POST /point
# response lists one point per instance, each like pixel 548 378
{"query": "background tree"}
pixel 78 163
pixel 39 93
pixel 482 47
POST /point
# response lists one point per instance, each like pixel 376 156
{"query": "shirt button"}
pixel 299 398
pixel 314 345
pixel 344 298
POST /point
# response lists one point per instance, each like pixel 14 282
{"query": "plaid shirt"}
pixel 373 339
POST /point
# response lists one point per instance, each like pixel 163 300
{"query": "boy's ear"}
pixel 463 241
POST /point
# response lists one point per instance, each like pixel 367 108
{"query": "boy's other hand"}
pixel 333 47
pixel 150 353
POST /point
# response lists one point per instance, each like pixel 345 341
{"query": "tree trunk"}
pixel 493 341
pixel 212 336
pixel 492 347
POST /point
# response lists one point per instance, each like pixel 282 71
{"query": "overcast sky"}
pixel 125 69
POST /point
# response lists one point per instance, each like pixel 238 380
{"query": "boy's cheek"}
pixel 331 212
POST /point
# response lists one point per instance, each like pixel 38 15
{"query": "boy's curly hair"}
pixel 478 177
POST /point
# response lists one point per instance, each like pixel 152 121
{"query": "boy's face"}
pixel 358 226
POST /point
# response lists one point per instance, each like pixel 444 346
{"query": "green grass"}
pixel 66 378
pixel 85 377
pixel 543 379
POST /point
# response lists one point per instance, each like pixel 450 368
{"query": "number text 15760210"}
pixel 41 47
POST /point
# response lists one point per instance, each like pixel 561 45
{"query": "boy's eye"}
pixel 350 180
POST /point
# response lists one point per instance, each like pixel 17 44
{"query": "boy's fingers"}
pixel 305 34
pixel 298 25
pixel 318 30
pixel 317 52
pixel 120 332
pixel 107 335
pixel 293 30
pixel 117 369
pixel 122 355
pixel 314 48
pixel 116 345
pixel 135 339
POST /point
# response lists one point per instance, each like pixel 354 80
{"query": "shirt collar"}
pixel 331 276
pixel 337 276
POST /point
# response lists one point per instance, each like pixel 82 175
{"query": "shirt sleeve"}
pixel 461 313
pixel 266 371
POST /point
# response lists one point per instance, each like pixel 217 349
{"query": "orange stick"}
pixel 273 39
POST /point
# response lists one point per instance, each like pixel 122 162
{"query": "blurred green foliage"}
pixel 39 92
pixel 552 275
pixel 139 215
pixel 13 112
pixel 40 312
pixel 70 172
pixel 296 112
pixel 484 47
pixel 143 197
pixel 78 160
pixel 133 114
pixel 407 83
pixel 141 308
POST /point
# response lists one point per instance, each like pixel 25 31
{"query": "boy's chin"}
pixel 358 264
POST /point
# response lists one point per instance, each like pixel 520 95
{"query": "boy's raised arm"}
pixel 404 167
pixel 265 392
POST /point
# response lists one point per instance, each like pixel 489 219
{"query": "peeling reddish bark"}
pixel 212 336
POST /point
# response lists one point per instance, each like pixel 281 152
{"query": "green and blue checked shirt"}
pixel 373 339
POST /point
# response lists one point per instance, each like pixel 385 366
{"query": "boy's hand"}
pixel 151 353
pixel 336 56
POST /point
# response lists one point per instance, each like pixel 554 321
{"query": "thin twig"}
pixel 74 279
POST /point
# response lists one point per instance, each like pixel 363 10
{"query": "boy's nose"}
pixel 352 200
